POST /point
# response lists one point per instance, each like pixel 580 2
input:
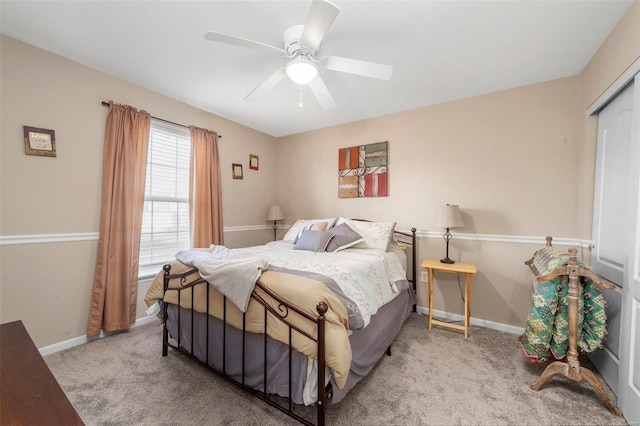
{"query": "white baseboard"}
pixel 80 340
pixel 474 321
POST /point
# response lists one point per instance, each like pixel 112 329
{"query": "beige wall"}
pixel 48 286
pixel 499 156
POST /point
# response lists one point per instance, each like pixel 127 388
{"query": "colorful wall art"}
pixel 363 171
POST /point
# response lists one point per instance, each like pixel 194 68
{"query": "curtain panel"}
pixel 115 286
pixel 205 201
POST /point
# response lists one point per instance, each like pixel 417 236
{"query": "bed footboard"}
pixel 281 313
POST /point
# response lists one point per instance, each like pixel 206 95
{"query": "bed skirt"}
pixel 368 346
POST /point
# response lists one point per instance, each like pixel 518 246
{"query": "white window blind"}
pixel 165 220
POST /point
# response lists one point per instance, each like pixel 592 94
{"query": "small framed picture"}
pixel 253 162
pixel 39 141
pixel 237 170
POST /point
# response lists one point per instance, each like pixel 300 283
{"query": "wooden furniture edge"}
pixel 29 392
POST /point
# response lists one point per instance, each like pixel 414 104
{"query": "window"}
pixel 165 220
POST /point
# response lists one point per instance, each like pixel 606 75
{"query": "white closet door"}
pixel 615 233
pixel 629 378
pixel 609 230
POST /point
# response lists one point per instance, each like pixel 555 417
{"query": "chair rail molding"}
pixel 8 240
pixel 517 239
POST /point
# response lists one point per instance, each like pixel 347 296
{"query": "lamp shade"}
pixel 448 216
pixel 275 213
pixel 301 71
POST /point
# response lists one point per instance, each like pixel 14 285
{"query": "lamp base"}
pixel 447 238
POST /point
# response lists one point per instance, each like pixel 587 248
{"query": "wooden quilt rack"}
pixel 572 369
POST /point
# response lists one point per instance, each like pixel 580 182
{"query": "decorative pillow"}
pixel 296 229
pixel 313 240
pixel 317 226
pixel 376 235
pixel 343 237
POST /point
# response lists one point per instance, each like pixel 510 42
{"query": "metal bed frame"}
pixel 280 314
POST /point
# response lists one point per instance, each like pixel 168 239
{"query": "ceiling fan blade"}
pixel 321 16
pixel 238 41
pixel 358 67
pixel 267 85
pixel 321 93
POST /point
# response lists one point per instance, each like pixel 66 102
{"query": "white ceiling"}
pixel 440 50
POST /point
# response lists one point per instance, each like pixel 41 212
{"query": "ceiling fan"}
pixel 300 44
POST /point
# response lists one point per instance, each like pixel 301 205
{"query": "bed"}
pixel 332 296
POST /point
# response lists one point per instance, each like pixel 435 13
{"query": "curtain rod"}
pixel 160 119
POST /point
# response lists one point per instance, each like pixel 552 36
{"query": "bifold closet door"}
pixel 615 256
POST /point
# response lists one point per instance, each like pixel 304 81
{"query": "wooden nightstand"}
pixel 430 266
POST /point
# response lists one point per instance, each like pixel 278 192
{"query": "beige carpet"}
pixel 432 378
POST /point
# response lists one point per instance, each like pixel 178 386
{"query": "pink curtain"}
pixel 205 201
pixel 115 286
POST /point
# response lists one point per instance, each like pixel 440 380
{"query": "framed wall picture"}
pixel 236 170
pixel 39 141
pixel 253 162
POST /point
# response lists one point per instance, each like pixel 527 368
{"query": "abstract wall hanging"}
pixel 363 171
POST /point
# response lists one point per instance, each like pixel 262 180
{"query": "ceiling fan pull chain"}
pixel 300 104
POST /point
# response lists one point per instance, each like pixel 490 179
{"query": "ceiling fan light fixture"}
pixel 301 70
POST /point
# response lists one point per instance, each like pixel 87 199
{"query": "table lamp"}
pixel 275 214
pixel 448 217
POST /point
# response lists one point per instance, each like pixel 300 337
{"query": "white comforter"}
pixel 366 276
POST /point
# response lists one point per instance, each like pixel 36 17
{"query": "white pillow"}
pixel 377 235
pixel 296 229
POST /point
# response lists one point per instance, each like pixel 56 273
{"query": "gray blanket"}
pixel 234 275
